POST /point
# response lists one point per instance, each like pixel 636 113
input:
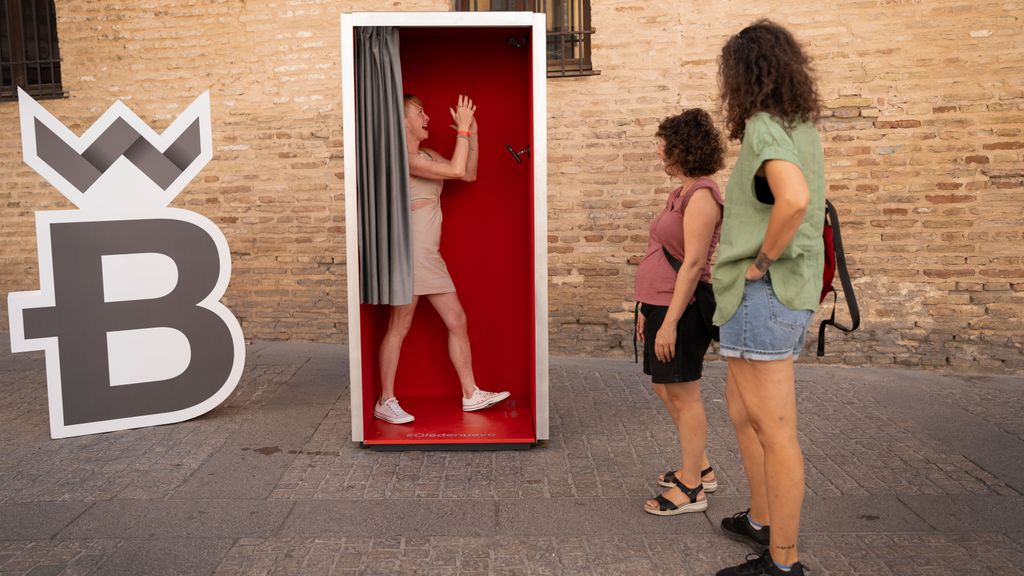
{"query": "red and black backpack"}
pixel 835 263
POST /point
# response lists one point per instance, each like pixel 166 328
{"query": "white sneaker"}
pixel 390 411
pixel 480 400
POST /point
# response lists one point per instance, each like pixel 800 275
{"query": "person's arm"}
pixel 474 152
pixel 699 221
pixel 791 199
pixel 440 168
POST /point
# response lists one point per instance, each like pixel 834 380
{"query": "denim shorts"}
pixel 762 327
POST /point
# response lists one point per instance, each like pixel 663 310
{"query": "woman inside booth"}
pixel 677 302
pixel 427 172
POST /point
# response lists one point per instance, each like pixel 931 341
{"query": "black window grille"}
pixel 29 57
pixel 568 30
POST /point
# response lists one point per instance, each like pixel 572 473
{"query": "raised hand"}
pixel 463 113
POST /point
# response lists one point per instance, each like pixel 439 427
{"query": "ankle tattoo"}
pixel 785 546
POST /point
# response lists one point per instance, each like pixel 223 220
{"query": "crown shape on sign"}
pixel 119 160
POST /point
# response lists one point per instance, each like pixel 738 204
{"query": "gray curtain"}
pixel 383 180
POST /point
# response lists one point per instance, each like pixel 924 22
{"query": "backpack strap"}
pixel 672 260
pixel 844 279
pixel 636 321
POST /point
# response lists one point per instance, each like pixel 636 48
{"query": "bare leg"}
pixel 450 309
pixel 391 347
pixel 750 448
pixel 768 392
pixel 692 426
pixel 661 391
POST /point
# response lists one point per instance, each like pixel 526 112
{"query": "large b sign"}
pixel 128 309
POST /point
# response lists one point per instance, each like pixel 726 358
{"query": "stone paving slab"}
pixel 121 519
pixel 963 513
pixel 231 473
pixel 55 557
pixel 37 520
pixel 391 517
pixel 990 445
pixel 250 462
pixel 907 473
pixel 317 382
pixel 166 557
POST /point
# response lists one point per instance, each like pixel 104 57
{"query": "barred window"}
pixel 29 57
pixel 569 30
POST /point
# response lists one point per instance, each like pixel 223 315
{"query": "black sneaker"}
pixel 738 528
pixel 761 565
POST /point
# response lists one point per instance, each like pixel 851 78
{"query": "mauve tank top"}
pixel 655 277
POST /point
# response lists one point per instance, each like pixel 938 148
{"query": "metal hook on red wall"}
pixel 518 155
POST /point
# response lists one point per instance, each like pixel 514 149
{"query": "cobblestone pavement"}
pixel 907 473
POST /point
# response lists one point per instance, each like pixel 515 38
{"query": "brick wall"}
pixel 923 132
pixel 924 148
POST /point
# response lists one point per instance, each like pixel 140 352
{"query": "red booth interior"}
pixel 487 242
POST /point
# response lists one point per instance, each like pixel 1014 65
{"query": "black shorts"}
pixel 692 341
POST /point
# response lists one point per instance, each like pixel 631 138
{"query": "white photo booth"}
pixel 494 237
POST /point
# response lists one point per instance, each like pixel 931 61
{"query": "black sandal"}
pixel 668 480
pixel 667 508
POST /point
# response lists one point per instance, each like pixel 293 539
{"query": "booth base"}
pixel 442 425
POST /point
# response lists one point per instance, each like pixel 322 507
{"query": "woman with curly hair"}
pixel 767 279
pixel 677 302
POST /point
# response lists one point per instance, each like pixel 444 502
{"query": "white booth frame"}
pixel 540 187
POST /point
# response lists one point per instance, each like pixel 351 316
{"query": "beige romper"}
pixel 430 274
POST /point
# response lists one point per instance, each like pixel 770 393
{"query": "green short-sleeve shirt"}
pixel 796 275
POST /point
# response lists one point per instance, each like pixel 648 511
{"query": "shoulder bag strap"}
pixel 844 279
